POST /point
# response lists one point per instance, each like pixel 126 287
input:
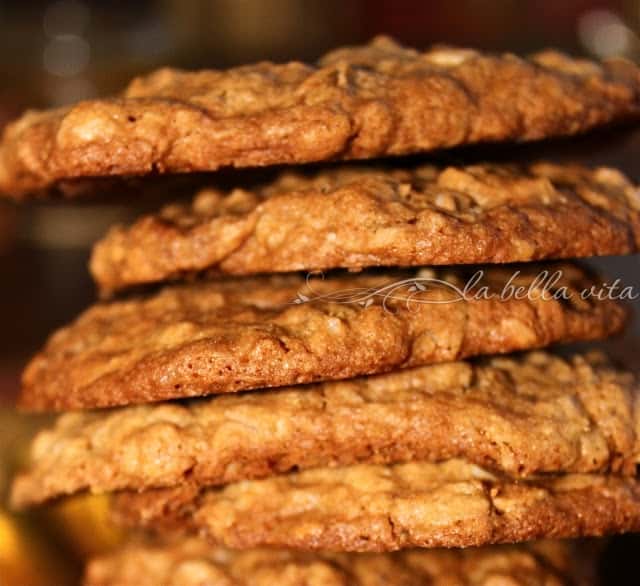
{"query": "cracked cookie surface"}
pixel 222 336
pixel 384 508
pixel 356 217
pixel 534 414
pixel 370 101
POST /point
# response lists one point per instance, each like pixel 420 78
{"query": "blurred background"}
pixel 54 53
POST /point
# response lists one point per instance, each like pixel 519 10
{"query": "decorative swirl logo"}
pixel 545 285
pixel 406 290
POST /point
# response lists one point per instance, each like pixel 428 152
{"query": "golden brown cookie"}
pixel 358 102
pixel 217 337
pixel 195 563
pixel 521 416
pixel 384 508
pixel 356 217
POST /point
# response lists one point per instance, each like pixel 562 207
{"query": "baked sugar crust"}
pixel 222 336
pixel 385 508
pixel 357 217
pixel 525 416
pixel 370 101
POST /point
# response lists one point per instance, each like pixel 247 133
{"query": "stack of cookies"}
pixel 255 421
